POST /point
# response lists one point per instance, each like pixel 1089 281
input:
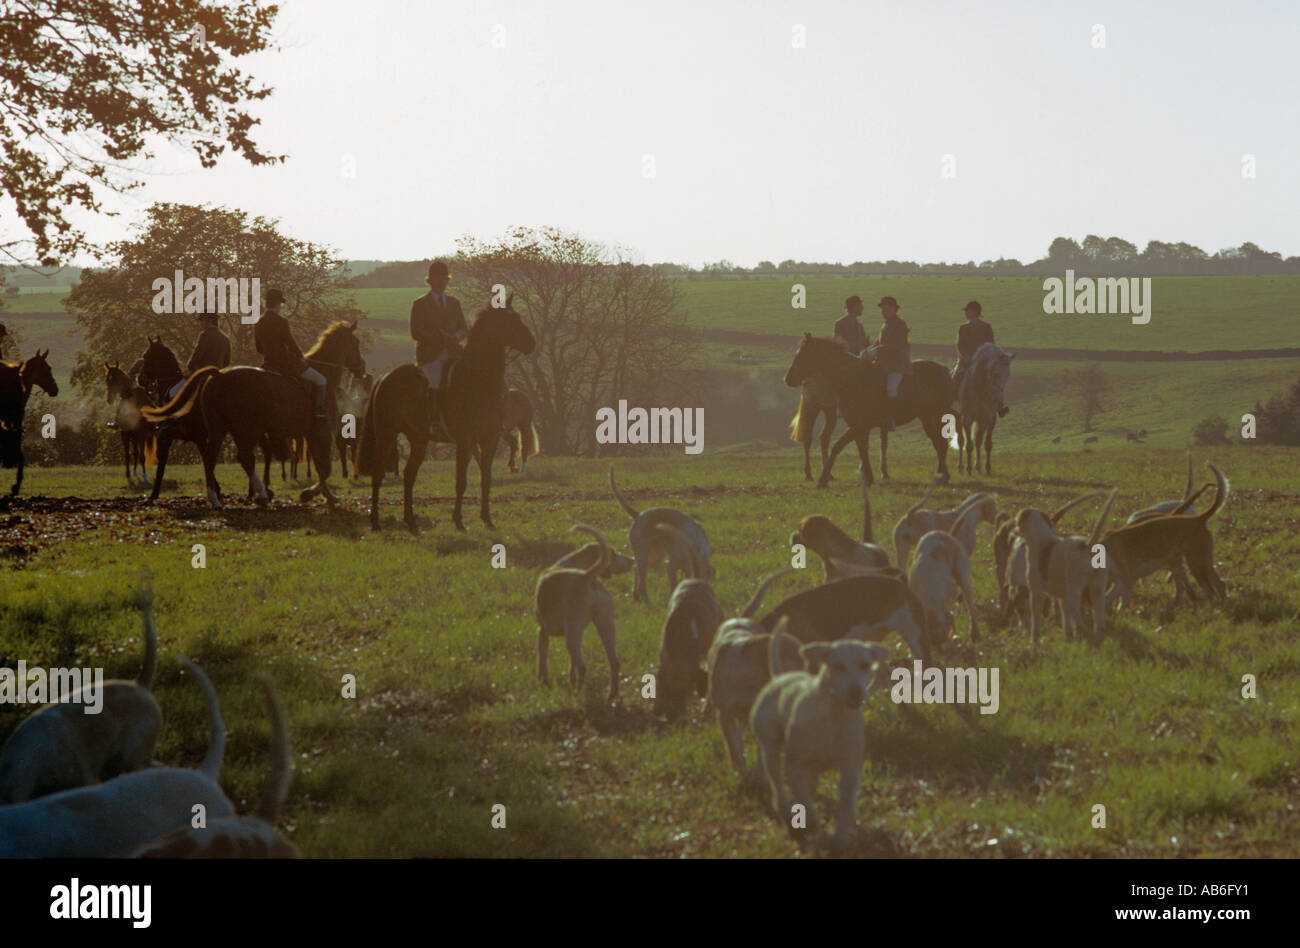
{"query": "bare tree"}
pixel 1088 386
pixel 606 328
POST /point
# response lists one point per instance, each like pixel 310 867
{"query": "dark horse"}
pixel 16 383
pixel 470 404
pixel 139 438
pixel 859 387
pixel 158 373
pixel 252 404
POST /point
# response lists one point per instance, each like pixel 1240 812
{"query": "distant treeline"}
pixel 1095 256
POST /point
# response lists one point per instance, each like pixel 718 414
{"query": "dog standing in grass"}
pixel 808 722
pixel 567 601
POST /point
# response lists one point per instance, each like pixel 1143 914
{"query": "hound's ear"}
pixel 42 354
pixel 814 655
pixel 510 301
pixel 807 336
pixel 106 365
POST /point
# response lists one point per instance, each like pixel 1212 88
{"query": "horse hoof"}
pixel 941 478
pixel 412 526
pixel 261 501
pixel 822 484
pixel 489 524
pixel 306 495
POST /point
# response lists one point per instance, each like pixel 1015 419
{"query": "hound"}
pixel 240 837
pixel 739 667
pixel 915 523
pixel 586 555
pixel 840 554
pixel 1061 567
pixel 693 619
pixel 808 722
pixel 650 546
pixel 940 569
pixel 61 746
pixel 1181 585
pixel 114 817
pixel 1012 560
pixel 875 602
pixel 1136 549
pixel 567 600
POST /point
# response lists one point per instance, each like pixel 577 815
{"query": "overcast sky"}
pixel 763 150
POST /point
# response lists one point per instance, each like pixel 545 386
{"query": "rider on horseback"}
pixel 438 327
pixel 973 334
pixel 847 328
pixel 211 348
pixel 280 354
pixel 892 352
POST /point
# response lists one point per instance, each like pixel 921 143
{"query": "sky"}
pixel 694 132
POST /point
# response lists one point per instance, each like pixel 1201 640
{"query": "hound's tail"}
pixel 277 784
pixel 752 606
pixel 1220 495
pixel 602 561
pixel 774 647
pixel 145 602
pixel 622 501
pixel 211 766
pixel 1101 518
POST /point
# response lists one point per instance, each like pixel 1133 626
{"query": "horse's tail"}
pixel 363 457
pixel 185 399
pixel 301 450
pixel 151 450
pixel 799 423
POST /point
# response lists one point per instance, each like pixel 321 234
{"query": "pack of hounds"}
pixel 800 673
pixel 79 785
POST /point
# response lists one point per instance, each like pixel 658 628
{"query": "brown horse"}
pixel 139 438
pixel 470 404
pixel 16 383
pixel 252 404
pixel 859 386
pixel 517 427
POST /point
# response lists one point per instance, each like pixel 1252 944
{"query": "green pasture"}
pixel 449 718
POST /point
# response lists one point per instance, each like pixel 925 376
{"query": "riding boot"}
pixel 893 404
pixel 320 403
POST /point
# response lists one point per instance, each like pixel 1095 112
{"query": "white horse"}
pixel 980 402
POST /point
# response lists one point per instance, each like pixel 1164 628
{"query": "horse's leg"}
pixel 126 454
pixel 828 431
pixel 807 452
pixel 18 483
pixel 248 461
pixel 864 452
pixel 843 441
pixel 485 485
pixel 933 425
pixel 319 446
pixel 884 453
pixel 164 449
pixel 514 447
pixel 216 435
pixel 419 444
pixel 988 444
pixel 463 452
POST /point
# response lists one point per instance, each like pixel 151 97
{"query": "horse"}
pixel 16 383
pixel 979 402
pixel 158 373
pixel 252 404
pixel 859 386
pixel 139 438
pixel 469 402
pixel 517 427
pixel 817 398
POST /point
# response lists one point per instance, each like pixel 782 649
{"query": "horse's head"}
pixel 158 364
pixel 339 345
pixel 351 357
pixel 996 364
pixel 119 384
pixel 36 371
pixel 502 326
pixel 813 357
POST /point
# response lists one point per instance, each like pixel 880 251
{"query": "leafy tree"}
pixel 114 306
pixel 1088 386
pixel 606 328
pixel 88 86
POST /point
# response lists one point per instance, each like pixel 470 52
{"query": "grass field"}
pixel 450 720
